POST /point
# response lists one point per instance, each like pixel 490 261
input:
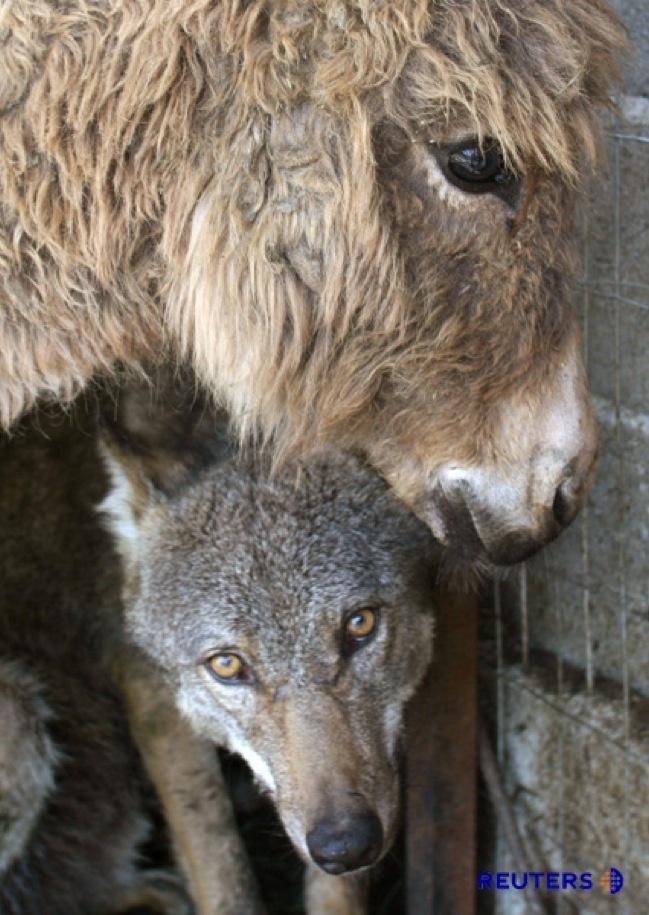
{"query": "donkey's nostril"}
pixel 346 844
pixel 565 505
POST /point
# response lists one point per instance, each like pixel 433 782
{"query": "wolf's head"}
pixel 291 614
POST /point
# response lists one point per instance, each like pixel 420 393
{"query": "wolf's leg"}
pixel 187 776
pixel 27 758
pixel 158 891
pixel 325 895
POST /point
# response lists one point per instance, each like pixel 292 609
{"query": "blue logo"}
pixel 611 880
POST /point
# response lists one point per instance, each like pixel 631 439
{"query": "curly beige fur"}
pixel 241 182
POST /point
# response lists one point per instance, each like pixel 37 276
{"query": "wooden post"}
pixel 441 769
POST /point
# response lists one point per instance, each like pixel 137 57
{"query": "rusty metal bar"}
pixel 441 769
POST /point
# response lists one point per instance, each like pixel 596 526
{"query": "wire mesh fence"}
pixel 567 665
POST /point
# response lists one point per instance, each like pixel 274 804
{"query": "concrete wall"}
pixel 589 593
pixel 635 17
pixel 579 786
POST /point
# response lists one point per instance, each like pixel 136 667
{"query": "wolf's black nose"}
pixel 347 843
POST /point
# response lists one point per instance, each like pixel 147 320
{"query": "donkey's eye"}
pixel 477 168
pixel 359 628
pixel 229 668
pixel 478 164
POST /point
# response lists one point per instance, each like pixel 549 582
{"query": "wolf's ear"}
pixel 164 430
pixel 154 437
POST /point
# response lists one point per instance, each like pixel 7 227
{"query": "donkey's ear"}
pixel 160 434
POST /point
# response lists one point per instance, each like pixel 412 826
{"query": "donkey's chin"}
pixel 477 543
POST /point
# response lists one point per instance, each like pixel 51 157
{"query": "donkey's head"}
pixel 391 264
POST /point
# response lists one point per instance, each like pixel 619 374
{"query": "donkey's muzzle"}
pixel 503 521
pixel 346 843
pixel 507 500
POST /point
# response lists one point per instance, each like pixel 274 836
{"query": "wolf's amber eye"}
pixel 361 624
pixel 229 668
pixel 360 627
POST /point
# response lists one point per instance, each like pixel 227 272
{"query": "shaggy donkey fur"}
pixel 252 184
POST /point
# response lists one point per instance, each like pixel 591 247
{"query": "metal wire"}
pixel 590 602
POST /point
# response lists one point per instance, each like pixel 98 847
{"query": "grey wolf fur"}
pixel 218 555
pixel 224 560
pixel 72 802
pixel 255 185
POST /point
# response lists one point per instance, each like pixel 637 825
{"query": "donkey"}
pixel 354 218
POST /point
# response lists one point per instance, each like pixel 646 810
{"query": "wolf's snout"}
pixel 339 845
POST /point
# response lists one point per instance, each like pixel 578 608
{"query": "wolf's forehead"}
pixel 286 561
pixel 278 574
pixel 243 598
pixel 323 510
pixel 242 538
pixel 264 598
pixel 241 594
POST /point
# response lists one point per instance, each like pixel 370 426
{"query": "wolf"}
pixel 286 617
pixel 74 812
